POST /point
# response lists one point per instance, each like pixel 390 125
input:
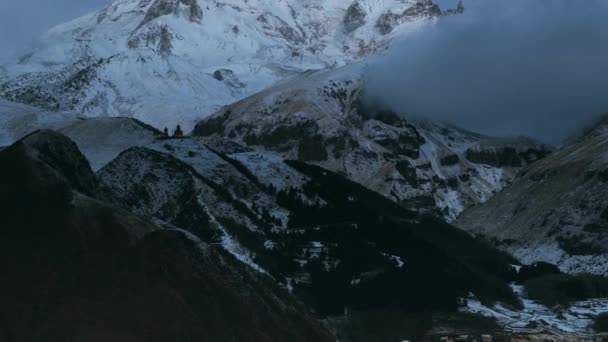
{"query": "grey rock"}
pixel 275 26
pixel 425 8
pixel 229 77
pixel 165 7
pixel 355 17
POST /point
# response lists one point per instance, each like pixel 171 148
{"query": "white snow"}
pixel 576 318
pixel 395 258
pixel 271 170
pixel 230 244
pixel 551 252
pixel 261 41
pixel 517 268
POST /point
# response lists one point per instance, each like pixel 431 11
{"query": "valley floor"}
pixel 538 322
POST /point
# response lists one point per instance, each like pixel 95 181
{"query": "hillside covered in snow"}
pixel 169 62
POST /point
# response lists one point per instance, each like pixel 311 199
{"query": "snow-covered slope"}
pixel 556 211
pixel 322 117
pixel 169 62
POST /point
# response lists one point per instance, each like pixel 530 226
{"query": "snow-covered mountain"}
pixel 169 62
pixel 322 117
pixel 555 211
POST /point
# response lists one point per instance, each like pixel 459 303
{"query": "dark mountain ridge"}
pixel 76 268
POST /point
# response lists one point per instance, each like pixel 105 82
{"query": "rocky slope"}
pixel 323 118
pixel 77 268
pixel 174 61
pixel 555 211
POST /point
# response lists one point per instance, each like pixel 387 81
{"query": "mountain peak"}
pixel 62 155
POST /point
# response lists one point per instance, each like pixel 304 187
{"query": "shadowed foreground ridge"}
pixel 78 269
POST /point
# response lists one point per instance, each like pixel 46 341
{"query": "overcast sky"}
pixel 22 21
pixel 517 67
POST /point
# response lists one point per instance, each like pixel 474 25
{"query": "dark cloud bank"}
pixel 517 67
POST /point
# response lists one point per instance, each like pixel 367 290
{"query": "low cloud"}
pixel 517 67
pixel 22 21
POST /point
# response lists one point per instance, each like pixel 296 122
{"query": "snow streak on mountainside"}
pixel 556 211
pixel 321 117
pixel 174 61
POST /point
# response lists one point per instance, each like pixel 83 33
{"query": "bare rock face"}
pixel 426 8
pixel 458 10
pixel 165 7
pixel 277 27
pixel 156 37
pixel 229 77
pixel 355 17
pixel 507 153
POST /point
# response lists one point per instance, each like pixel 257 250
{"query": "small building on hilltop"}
pixel 178 132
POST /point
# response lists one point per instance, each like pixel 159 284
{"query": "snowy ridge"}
pixel 210 165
